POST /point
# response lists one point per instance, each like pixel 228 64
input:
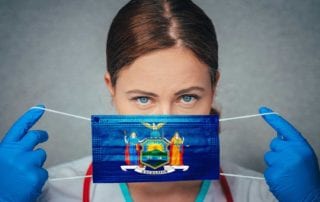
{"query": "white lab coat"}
pixel 243 190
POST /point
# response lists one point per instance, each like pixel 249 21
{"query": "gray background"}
pixel 53 52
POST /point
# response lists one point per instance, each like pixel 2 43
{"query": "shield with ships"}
pixel 154 153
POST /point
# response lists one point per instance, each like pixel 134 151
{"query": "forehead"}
pixel 165 69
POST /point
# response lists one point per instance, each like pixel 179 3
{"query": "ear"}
pixel 217 78
pixel 107 80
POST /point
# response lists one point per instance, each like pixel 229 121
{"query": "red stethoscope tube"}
pixel 87 182
pixel 86 185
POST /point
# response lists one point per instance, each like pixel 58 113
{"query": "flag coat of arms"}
pixel 153 148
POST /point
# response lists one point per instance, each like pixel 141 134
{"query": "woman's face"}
pixel 169 81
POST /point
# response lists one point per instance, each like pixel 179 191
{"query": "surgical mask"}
pixel 153 148
pixel 192 125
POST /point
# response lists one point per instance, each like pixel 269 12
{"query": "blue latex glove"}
pixel 21 172
pixel 292 167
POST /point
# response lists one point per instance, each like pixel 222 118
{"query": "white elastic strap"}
pixel 89 119
pixel 62 113
pixel 69 178
pixel 247 116
pixel 242 176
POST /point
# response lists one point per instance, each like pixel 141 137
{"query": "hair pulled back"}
pixel 142 26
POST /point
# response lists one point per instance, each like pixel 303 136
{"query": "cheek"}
pixel 206 105
pixel 124 106
pixel 203 107
pixel 121 106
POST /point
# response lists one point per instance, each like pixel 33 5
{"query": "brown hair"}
pixel 142 26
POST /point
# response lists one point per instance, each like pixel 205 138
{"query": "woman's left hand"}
pixel 292 167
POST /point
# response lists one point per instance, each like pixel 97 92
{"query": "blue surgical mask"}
pixel 153 148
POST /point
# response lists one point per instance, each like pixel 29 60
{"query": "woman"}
pixel 176 150
pixel 162 58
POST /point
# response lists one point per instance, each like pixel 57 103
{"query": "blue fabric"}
pixel 203 191
pixel 125 192
pixel 150 148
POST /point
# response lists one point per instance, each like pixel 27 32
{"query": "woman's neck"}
pixel 165 191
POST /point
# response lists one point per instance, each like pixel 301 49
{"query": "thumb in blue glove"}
pixel 292 167
pixel 21 172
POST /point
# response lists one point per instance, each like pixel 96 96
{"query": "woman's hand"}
pixel 292 167
pixel 21 172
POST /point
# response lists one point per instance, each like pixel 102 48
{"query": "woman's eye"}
pixel 188 98
pixel 142 100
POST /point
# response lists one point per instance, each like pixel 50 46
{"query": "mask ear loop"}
pixel 62 113
pixel 89 119
pixel 88 176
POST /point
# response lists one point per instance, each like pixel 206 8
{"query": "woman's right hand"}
pixel 292 166
pixel 21 174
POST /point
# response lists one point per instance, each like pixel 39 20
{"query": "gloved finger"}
pixel 38 177
pixel 271 176
pixel 43 176
pixel 23 124
pixel 32 138
pixel 271 158
pixel 35 158
pixel 277 144
pixel 282 126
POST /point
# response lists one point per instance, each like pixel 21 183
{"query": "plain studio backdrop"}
pixel 53 52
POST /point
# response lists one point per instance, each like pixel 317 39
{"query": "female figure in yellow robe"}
pixel 176 150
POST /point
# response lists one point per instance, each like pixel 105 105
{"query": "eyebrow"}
pixel 189 89
pixel 142 92
pixel 177 93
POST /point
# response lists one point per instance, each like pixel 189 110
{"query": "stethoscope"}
pixel 87 182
